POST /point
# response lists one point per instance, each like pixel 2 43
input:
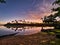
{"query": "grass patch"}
pixel 51 33
pixel 58 31
pixel 53 42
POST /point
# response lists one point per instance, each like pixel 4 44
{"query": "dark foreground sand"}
pixel 35 39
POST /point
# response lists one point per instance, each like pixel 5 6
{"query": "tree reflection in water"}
pixel 19 28
pixel 23 28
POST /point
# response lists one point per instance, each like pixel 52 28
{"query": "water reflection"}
pixel 23 30
pixel 5 31
pixel 42 35
pixel 27 30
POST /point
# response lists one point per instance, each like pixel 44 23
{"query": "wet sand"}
pixel 35 39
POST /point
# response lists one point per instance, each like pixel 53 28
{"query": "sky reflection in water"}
pixel 21 30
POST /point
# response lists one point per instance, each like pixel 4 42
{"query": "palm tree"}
pixel 24 21
pixel 12 21
pixel 57 2
pixel 16 21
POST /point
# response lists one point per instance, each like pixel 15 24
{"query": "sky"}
pixel 32 10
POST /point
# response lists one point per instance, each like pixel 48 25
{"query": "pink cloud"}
pixel 40 11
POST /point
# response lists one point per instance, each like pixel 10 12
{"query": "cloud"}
pixel 40 10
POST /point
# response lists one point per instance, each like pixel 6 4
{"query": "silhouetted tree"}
pixel 58 12
pixel 16 21
pixel 12 21
pixel 45 19
pixel 49 19
pixel 57 2
pixel 2 1
pixel 57 9
pixel 24 21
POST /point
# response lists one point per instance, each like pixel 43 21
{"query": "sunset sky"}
pixel 32 10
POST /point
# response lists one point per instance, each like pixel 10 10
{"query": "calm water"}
pixel 21 30
pixel 52 36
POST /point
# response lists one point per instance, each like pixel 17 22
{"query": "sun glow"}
pixel 2 23
pixel 35 21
